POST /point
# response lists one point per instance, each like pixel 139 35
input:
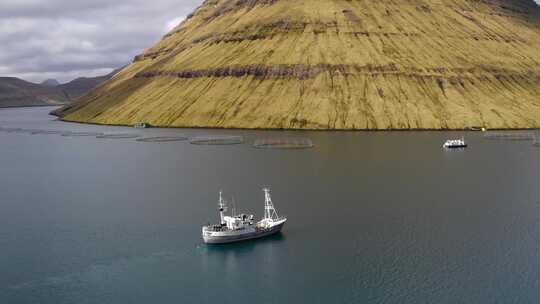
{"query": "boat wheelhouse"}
pixel 455 144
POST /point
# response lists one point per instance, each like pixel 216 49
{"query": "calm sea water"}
pixel 374 217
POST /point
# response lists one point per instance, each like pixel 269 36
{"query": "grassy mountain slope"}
pixel 334 64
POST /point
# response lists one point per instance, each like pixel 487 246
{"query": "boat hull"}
pixel 455 147
pixel 245 236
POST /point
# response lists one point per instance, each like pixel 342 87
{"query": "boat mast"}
pixel 270 212
pixel 233 207
pixel 222 208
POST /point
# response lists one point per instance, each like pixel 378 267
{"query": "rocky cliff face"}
pixel 334 64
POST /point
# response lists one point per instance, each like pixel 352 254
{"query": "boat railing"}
pixel 215 228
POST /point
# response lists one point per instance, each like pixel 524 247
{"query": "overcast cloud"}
pixel 65 39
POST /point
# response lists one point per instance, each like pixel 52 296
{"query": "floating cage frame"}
pixel 17 130
pixel 118 136
pixel 45 132
pixel 216 140
pixel 509 136
pixel 162 139
pixel 31 131
pixel 81 134
pixel 12 130
pixel 283 143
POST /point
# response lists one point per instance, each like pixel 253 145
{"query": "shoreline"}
pixel 303 130
pixel 27 107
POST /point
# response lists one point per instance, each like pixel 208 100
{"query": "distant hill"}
pixel 50 83
pixel 15 92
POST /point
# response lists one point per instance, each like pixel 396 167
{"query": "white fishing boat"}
pixel 241 227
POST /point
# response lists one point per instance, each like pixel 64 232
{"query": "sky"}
pixel 66 39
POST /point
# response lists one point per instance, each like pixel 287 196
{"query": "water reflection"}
pixel 239 249
pixel 231 261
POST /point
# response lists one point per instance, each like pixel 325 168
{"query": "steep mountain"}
pixel 334 64
pixel 80 86
pixel 15 92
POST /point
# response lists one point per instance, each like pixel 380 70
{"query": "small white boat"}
pixel 142 125
pixel 455 144
pixel 535 141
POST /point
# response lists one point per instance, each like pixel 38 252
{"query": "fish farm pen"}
pixel 15 130
pixel 119 136
pixel 46 132
pixel 162 139
pixel 7 130
pixel 509 136
pixel 18 130
pixel 81 134
pixel 283 143
pixel 31 131
pixel 216 140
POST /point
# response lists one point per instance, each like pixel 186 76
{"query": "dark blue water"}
pixel 374 217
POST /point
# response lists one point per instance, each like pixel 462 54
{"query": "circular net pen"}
pixel 81 134
pixel 20 130
pixel 12 130
pixel 119 136
pixel 162 139
pixel 9 129
pixel 216 140
pixel 25 131
pixel 45 132
pixel 32 131
pixel 509 136
pixel 283 143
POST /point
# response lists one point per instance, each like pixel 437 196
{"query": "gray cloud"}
pixel 64 39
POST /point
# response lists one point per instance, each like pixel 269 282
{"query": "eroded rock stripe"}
pixel 300 71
